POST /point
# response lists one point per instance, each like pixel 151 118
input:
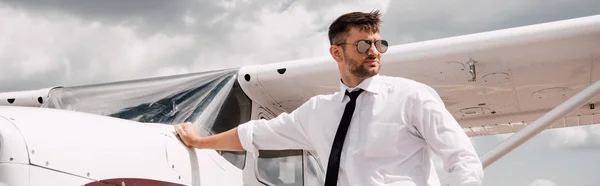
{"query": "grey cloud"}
pixel 18 82
pixel 156 15
pixel 214 32
pixel 411 21
pixel 149 16
pixel 112 9
pixel 286 4
pixel 212 37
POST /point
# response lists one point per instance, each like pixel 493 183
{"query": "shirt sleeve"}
pixel 446 138
pixel 286 131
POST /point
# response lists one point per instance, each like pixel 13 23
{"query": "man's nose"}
pixel 372 50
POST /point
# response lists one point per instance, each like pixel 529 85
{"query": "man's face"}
pixel 362 65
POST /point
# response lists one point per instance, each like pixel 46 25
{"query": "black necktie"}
pixel 333 166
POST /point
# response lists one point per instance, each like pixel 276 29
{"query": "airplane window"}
pixel 281 167
pixel 236 109
pixel 237 158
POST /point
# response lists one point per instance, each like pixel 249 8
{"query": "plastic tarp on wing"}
pixel 201 98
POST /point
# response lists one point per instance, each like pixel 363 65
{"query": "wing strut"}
pixel 540 124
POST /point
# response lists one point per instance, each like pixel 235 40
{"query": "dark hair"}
pixel 338 30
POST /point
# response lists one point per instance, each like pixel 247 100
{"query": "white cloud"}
pixel 572 136
pixel 361 6
pixel 82 51
pixel 64 49
pixel 576 137
pixel 542 182
pixel 188 19
pixel 227 4
pixel 275 36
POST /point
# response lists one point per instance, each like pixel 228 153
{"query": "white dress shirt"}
pixel 395 127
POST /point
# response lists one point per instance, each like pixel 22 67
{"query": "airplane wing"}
pixel 493 82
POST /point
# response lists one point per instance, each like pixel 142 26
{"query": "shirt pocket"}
pixel 382 139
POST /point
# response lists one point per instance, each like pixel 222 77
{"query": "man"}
pixel 377 130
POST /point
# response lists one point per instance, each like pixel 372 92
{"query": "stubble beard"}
pixel 358 69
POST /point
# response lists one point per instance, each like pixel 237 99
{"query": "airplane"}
pixel 520 80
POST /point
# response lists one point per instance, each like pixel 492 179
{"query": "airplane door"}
pixel 289 168
pixel 281 167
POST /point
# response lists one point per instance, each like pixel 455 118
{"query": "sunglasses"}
pixel 364 45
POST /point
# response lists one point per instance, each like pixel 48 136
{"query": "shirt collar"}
pixel 372 84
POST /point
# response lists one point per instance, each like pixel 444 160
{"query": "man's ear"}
pixel 336 53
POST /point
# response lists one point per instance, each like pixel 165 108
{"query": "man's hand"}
pixel 188 133
pixel 228 140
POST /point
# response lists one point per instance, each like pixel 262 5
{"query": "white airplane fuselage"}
pixel 43 146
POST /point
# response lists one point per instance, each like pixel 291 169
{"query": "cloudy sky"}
pixel 67 42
